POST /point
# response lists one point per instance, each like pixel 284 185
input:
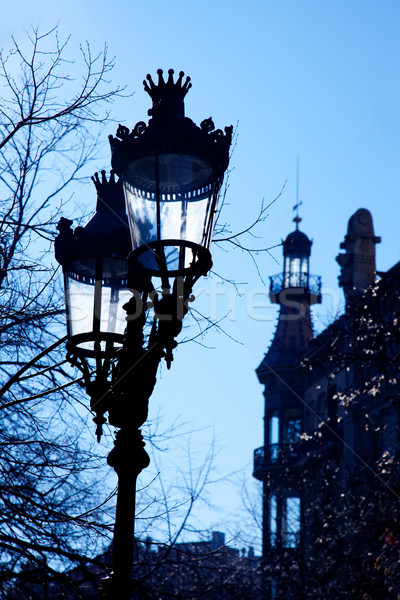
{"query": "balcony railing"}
pixel 287 454
pixel 310 283
pixel 275 454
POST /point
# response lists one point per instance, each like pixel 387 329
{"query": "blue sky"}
pixel 318 80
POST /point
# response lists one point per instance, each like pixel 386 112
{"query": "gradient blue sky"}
pixel 308 78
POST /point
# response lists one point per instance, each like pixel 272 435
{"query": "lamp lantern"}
pixel 95 269
pixel 172 172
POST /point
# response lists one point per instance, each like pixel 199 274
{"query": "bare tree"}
pixel 45 141
pixel 48 502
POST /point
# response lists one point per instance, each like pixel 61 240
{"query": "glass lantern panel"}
pixel 95 304
pixel 141 207
pixel 80 305
pixel 176 205
pixel 184 216
pixel 113 316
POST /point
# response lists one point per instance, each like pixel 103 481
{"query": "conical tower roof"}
pixel 297 240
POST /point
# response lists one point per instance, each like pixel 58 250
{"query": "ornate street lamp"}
pixel 171 172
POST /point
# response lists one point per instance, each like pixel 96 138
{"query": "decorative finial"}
pixel 169 86
pixel 167 95
pixel 169 131
pixel 297 219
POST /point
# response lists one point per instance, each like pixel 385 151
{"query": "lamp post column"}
pixel 132 387
pixel 128 458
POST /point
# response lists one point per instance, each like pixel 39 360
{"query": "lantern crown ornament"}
pixel 172 171
pixel 106 231
pixel 167 96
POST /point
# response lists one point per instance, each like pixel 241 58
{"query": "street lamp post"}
pixel 170 173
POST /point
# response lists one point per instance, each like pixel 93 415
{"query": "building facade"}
pixel 329 463
pixel 207 569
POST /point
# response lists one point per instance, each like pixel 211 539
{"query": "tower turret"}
pixel 295 290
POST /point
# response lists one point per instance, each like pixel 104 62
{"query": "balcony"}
pixel 310 283
pixel 325 442
pixel 275 456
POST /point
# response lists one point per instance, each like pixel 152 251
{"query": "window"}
pixel 284 521
pixel 274 437
pixel 291 522
pixel 292 426
pixel 296 271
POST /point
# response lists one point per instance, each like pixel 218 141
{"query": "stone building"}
pixel 329 464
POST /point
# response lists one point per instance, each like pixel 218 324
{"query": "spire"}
pixel 297 218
